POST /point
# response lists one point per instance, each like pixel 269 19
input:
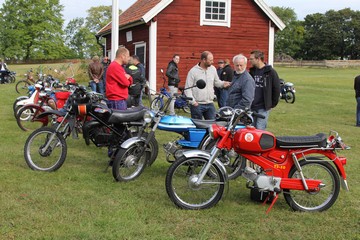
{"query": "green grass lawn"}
pixel 82 201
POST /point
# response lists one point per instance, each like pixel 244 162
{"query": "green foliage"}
pixel 289 40
pixel 80 32
pixel 32 29
pixel 81 201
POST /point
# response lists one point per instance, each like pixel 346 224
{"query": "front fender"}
pixel 51 112
pixel 206 156
pixel 131 141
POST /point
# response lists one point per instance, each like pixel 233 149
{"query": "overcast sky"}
pixel 77 8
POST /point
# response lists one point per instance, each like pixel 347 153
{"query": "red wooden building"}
pixel 156 29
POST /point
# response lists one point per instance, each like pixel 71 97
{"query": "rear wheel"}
pixel 289 97
pixel 183 190
pixel 21 87
pixel 186 108
pixel 130 163
pixel 45 150
pixel 26 118
pixel 312 201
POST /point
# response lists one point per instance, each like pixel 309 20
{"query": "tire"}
pixel 289 97
pixel 26 118
pixel 22 87
pixel 231 160
pixel 129 164
pixel 17 109
pixel 154 149
pixel 314 201
pixel 157 104
pixel 53 158
pixel 184 193
pixel 17 100
pixel 186 108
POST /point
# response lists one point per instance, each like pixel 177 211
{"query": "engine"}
pixel 262 181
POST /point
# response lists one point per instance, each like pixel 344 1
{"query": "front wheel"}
pixel 183 190
pixel 316 201
pixel 157 104
pixel 22 87
pixel 26 118
pixel 186 108
pixel 130 162
pixel 45 150
pixel 290 97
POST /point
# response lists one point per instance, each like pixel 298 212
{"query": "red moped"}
pixel 306 169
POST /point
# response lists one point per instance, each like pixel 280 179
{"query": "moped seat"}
pixel 318 140
pixel 203 124
pixel 128 115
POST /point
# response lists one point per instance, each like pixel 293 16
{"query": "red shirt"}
pixel 116 82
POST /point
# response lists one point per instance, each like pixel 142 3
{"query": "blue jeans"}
pixel 222 95
pixel 95 85
pixel 203 110
pixel 261 123
pixel 117 104
pixel 358 112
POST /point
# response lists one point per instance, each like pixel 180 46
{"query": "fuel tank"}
pixel 177 124
pixel 250 139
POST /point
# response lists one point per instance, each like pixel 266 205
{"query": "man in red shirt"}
pixel 118 81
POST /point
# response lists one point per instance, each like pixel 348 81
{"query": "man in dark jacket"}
pixel 267 91
pixel 242 89
pixel 226 73
pixel 357 96
pixel 135 88
pixel 172 72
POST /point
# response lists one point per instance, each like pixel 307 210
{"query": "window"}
pixel 140 51
pixel 215 12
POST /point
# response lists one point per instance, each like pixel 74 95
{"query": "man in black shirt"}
pixel 357 96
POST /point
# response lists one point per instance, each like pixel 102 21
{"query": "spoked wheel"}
pixel 26 118
pixel 183 190
pixel 289 97
pixel 231 160
pixel 186 108
pixel 320 200
pixel 18 100
pixel 45 150
pixel 22 87
pixel 130 163
pixel 157 104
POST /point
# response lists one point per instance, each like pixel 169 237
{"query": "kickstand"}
pixel 272 202
pixel 110 163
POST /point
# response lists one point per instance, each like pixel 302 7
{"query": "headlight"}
pixel 148 116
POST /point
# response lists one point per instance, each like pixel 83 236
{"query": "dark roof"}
pixel 133 14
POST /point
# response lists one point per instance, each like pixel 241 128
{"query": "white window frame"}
pixel 225 23
pixel 139 45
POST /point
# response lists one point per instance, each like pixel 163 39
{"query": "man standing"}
pixel 105 62
pixel 225 74
pixel 242 89
pixel 202 105
pixel 267 91
pixel 172 72
pixel 96 71
pixel 118 81
pixel 135 60
pixel 357 96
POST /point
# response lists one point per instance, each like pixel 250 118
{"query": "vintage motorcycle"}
pixel 7 77
pixel 45 149
pixel 136 152
pixel 302 167
pixel 287 91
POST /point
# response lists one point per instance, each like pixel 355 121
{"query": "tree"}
pixel 80 32
pixel 31 29
pixel 289 40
